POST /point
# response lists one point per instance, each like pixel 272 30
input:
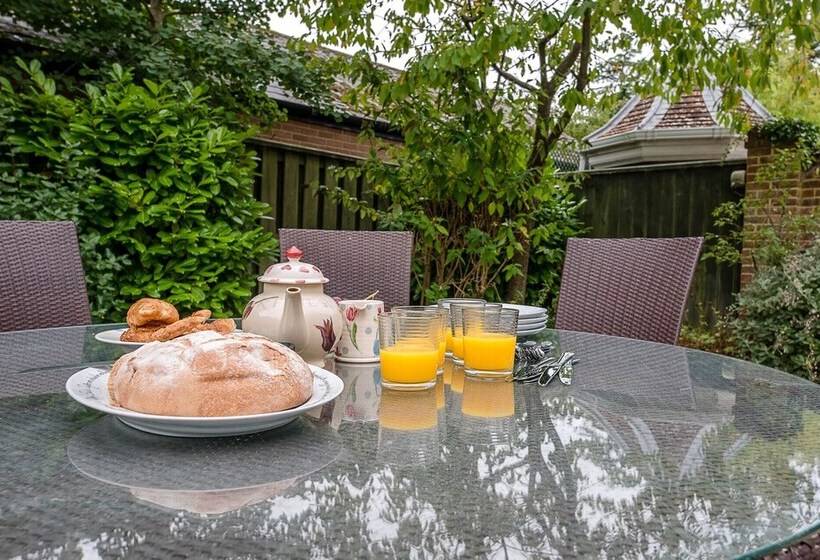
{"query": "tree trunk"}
pixel 517 287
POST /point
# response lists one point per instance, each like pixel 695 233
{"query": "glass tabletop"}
pixel 653 451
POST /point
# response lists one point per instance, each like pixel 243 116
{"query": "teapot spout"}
pixel 293 325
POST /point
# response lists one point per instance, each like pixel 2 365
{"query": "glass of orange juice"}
pixel 445 304
pixel 444 324
pixel 489 341
pixel 409 350
pixel 457 324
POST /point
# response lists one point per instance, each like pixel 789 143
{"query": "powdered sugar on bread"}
pixel 210 374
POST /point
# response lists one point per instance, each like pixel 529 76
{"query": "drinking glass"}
pixel 409 350
pixel 457 325
pixel 489 341
pixel 445 304
pixel 444 322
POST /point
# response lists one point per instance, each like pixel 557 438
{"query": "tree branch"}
pixel 581 80
pixel 543 140
pixel 515 79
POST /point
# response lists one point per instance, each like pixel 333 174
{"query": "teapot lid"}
pixel 293 271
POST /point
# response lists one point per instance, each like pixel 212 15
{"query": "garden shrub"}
pixel 159 183
pixel 557 219
pixel 776 320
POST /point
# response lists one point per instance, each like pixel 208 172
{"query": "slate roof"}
pixel 697 110
pixel 341 84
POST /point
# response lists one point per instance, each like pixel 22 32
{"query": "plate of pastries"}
pixel 155 320
pixel 206 383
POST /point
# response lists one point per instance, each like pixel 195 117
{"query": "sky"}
pixel 292 25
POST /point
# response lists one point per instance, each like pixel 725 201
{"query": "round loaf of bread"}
pixel 210 374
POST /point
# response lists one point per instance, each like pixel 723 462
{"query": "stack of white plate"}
pixel 531 319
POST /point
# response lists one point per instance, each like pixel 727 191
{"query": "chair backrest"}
pixel 635 288
pixel 357 262
pixel 42 283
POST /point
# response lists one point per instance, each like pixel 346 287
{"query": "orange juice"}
pixel 489 351
pixel 442 351
pixel 448 339
pixel 458 346
pixel 408 410
pixel 439 394
pixel 487 399
pixel 408 362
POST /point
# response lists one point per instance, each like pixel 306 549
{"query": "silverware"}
pixel 566 372
pixel 555 368
pixel 526 370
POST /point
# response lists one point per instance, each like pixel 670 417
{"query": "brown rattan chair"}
pixel 357 262
pixel 42 283
pixel 635 288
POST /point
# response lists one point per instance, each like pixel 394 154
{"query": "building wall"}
pixel 802 197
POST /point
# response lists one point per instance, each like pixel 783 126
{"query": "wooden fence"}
pixel 289 181
pixel 650 201
pixel 667 201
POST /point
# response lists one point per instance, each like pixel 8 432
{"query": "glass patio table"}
pixel 653 451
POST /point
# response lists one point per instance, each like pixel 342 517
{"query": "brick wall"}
pixel 802 192
pixel 320 137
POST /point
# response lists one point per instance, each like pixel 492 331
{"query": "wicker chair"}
pixel 41 276
pixel 357 262
pixel 635 288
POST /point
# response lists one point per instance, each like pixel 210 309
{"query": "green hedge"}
pixel 160 185
pixel 776 320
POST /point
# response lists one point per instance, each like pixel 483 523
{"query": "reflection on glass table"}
pixel 654 451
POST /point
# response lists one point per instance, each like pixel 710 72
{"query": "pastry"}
pixel 210 374
pixel 223 326
pixel 148 312
pixel 180 328
pixel 138 334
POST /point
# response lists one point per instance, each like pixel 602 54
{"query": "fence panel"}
pixel 290 180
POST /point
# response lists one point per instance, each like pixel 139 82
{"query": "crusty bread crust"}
pixel 210 374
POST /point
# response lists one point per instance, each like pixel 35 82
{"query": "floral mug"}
pixel 359 339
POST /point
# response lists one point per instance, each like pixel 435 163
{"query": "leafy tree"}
pixel 794 90
pixel 224 45
pixel 544 55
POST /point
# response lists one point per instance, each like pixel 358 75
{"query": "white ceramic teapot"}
pixel 293 308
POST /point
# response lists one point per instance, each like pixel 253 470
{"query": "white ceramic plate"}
pixel 90 387
pixel 112 336
pixel 526 311
pixel 537 321
pixel 531 331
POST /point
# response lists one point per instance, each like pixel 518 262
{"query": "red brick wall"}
pixel 325 138
pixel 803 194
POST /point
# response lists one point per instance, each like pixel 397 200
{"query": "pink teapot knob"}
pixel 294 253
